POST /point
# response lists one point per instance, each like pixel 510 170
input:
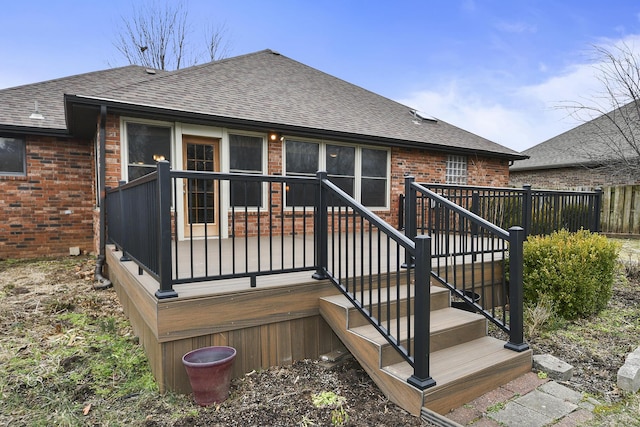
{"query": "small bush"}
pixel 575 270
pixel 536 316
pixel 631 268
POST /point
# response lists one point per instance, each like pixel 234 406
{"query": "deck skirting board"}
pixel 271 326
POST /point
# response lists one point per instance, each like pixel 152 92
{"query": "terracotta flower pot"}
pixel 209 371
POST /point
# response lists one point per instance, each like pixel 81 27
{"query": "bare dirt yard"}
pixel 69 357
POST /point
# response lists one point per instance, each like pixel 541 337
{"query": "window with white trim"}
pixel 301 159
pixel 374 180
pixel 361 172
pixel 245 156
pixel 341 167
pixel 146 145
pixel 456 169
pixel 13 157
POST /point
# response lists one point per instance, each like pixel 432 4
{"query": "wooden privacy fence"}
pixel 621 209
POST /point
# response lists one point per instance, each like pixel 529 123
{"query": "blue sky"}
pixel 497 68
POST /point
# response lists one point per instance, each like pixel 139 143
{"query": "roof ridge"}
pixel 168 74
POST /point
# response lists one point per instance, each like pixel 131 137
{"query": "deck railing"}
pixel 133 216
pixel 470 256
pixel 537 211
pixel 263 236
pixel 375 266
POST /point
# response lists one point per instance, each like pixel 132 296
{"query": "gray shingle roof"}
pixel 263 88
pixel 591 143
pixel 17 103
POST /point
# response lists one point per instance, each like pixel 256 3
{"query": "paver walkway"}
pixel 527 401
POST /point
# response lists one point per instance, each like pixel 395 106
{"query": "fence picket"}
pixel 635 214
pixel 621 209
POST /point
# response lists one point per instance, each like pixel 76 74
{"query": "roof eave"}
pixel 32 130
pixel 203 118
pixel 554 166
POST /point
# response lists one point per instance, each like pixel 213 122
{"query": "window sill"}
pixel 13 177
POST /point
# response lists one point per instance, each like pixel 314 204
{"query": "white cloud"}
pixel 517 117
pixel 515 128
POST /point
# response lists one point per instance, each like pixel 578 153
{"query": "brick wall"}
pixel 51 209
pixel 570 178
pixel 425 166
pixel 431 167
pixel 112 151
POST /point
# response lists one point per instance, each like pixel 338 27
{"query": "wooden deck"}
pixel 275 323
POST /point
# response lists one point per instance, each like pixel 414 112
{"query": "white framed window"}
pixel 456 169
pixel 374 182
pixel 13 157
pixel 146 143
pixel 302 158
pixel 246 156
pixel 360 171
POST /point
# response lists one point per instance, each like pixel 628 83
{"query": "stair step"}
pixel 440 298
pixel 449 327
pixel 466 371
pixel 462 370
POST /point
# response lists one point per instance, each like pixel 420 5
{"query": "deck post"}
pixel 321 229
pixel 516 306
pixel 526 209
pixel 401 206
pixel 164 231
pixel 123 236
pixel 422 315
pixel 410 222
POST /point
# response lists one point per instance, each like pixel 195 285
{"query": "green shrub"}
pixel 575 270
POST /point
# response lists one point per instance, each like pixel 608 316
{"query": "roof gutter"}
pixel 201 118
pixel 585 164
pixel 28 130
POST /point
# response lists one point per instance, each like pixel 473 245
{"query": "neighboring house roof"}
pixel 592 143
pixel 269 91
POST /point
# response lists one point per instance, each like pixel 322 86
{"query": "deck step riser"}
pixel 438 301
pixel 367 353
pixel 464 362
pixel 439 340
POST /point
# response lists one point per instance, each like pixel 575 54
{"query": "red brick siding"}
pixel 60 178
pixel 424 165
pixel 431 167
pixel 112 151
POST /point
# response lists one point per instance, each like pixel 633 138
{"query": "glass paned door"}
pixel 201 195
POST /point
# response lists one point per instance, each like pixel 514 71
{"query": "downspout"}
pixel 102 282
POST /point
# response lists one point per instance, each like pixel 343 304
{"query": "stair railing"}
pixel 479 262
pixel 364 257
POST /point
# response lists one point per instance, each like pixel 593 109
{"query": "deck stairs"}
pixel 465 362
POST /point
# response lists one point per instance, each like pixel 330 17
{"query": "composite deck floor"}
pixel 199 262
